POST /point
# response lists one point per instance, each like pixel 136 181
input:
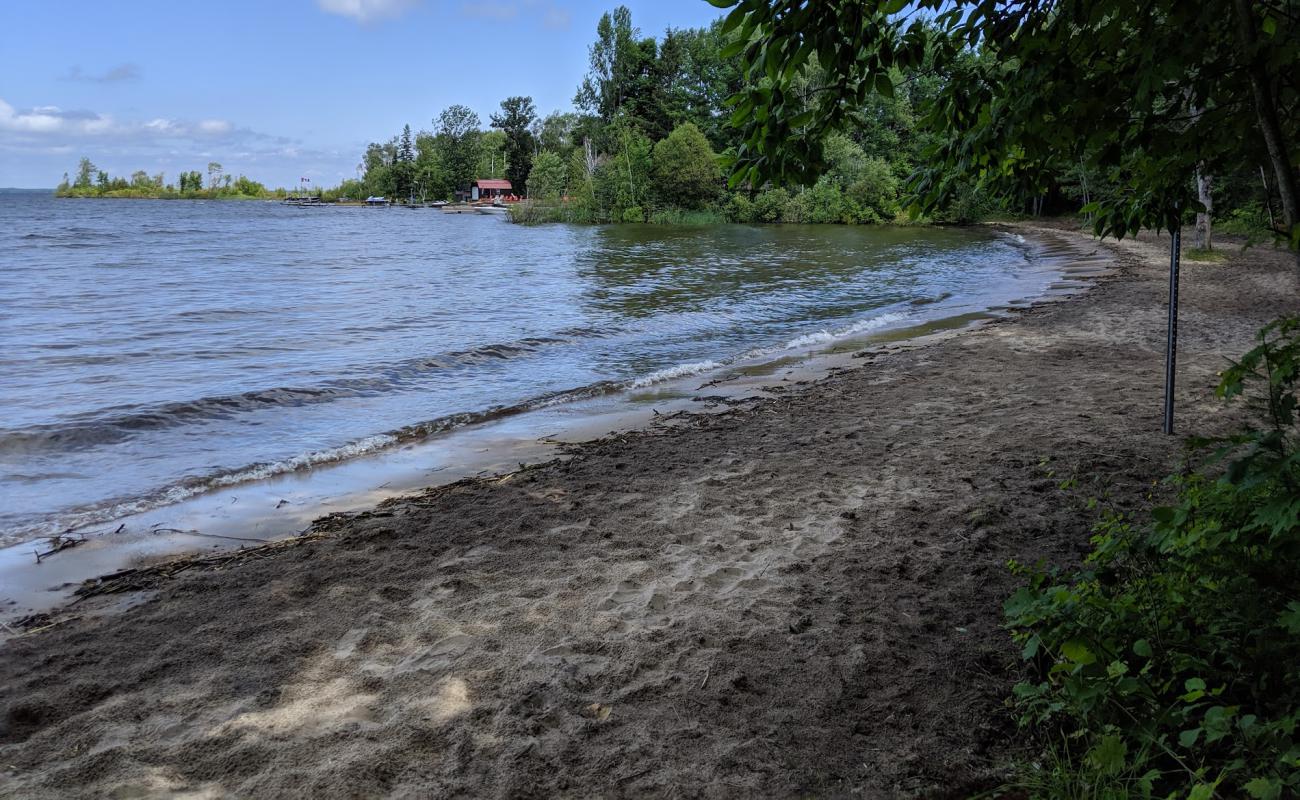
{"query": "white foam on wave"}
pixel 669 373
pixel 859 327
pixel 259 472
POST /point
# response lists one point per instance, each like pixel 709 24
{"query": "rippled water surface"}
pixel 154 349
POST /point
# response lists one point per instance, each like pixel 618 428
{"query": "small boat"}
pixel 492 209
pixel 378 201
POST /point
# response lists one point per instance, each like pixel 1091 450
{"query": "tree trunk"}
pixel 1204 188
pixel 1266 110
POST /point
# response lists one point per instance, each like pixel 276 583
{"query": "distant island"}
pixel 90 181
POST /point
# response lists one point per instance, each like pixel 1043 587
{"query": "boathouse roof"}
pixel 493 183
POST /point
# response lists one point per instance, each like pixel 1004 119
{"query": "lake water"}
pixel 155 350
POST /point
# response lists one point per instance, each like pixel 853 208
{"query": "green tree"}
pixel 577 179
pixel 612 60
pixel 85 169
pixel 431 179
pixel 457 140
pixel 622 83
pixel 406 149
pixel 515 121
pixel 1205 86
pixel 557 132
pixel 685 169
pixel 214 174
pixel 620 185
pixel 492 161
pixel 546 180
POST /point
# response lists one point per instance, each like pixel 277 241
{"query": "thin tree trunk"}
pixel 1268 198
pixel 1083 180
pixel 1204 189
pixel 1266 110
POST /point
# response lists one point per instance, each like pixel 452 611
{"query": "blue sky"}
pixel 274 89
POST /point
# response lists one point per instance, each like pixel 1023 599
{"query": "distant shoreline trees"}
pixel 91 181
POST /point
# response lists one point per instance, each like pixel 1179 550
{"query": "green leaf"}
pixel 1142 648
pixel 1188 738
pixel 1270 26
pixel 733 49
pixel 1201 791
pixel 1109 755
pixel 884 85
pixel 1264 788
pixel 1078 652
pixel 1290 619
pixel 733 19
pixel 1031 647
pixel 723 3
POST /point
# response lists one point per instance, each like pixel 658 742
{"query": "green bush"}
pixel 546 178
pixel 685 171
pixel 1169 665
pixel 741 209
pixel 1250 220
pixel 770 205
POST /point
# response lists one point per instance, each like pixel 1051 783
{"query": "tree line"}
pixel 866 143
pixel 642 142
pixel 90 181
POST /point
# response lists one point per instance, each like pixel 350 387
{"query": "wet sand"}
pixel 799 594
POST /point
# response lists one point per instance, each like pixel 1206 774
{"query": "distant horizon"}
pixel 102 82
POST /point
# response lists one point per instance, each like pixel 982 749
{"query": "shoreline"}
pixel 275 503
pixel 798 594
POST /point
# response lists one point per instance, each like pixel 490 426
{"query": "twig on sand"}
pixel 208 535
pixel 58 544
pixel 707 672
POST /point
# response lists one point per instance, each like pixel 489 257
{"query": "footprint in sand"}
pixel 439 656
pixel 630 597
pixel 348 642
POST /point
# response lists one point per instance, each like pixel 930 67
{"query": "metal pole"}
pixel 1171 346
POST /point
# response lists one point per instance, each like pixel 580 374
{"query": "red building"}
pixel 487 189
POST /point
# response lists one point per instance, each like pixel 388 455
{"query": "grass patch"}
pixel 1204 256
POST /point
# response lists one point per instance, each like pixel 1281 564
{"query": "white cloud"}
pixel 52 121
pixel 552 16
pixel 42 119
pixel 119 74
pixel 214 127
pixel 38 144
pixel 367 10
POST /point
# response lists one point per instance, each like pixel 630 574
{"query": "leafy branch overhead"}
pixel 1029 88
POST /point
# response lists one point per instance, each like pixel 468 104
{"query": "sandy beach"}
pixel 800 595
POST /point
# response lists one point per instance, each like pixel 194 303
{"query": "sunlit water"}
pixel 157 349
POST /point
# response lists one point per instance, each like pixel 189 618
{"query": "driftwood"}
pixel 59 543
